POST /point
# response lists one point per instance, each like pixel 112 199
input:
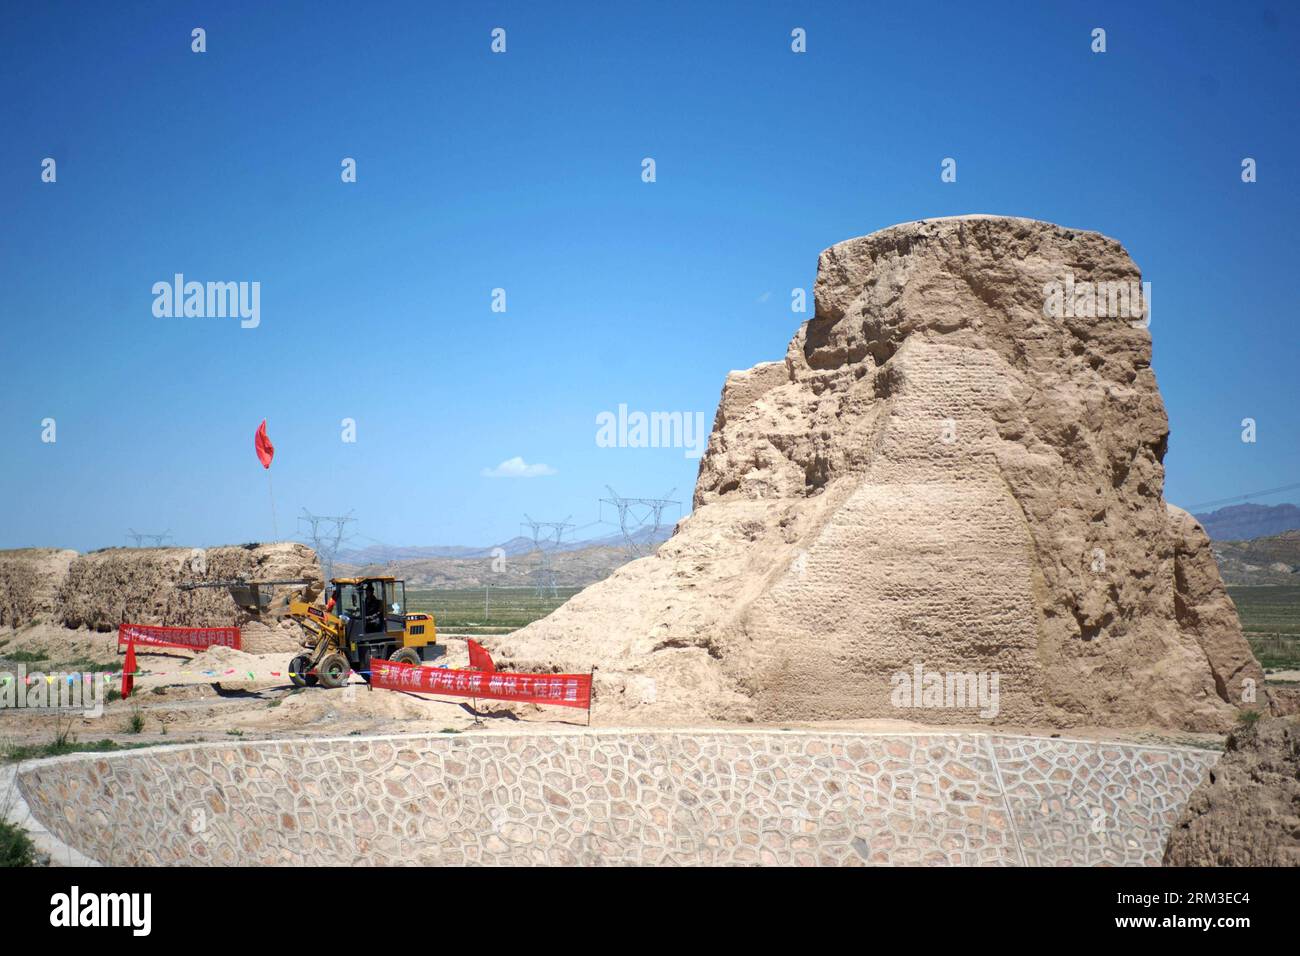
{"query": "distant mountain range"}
pixel 1246 521
pixel 1269 560
pixel 1253 544
pixel 515 547
pixel 574 563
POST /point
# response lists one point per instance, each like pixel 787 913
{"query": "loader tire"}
pixel 406 655
pixel 298 671
pixel 334 670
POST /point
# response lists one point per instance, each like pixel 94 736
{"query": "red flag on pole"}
pixel 265 450
pixel 480 659
pixel 128 671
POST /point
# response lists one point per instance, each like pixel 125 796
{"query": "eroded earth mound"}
pixel 140 585
pixel 1247 813
pixel 942 488
pixel 29 583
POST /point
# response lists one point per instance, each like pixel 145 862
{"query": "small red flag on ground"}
pixel 265 450
pixel 128 671
pixel 480 659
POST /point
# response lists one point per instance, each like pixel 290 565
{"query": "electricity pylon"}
pixel 140 538
pixel 326 534
pixel 637 514
pixel 546 533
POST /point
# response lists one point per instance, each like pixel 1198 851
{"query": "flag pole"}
pixel 266 452
pixel 275 525
pixel 478 721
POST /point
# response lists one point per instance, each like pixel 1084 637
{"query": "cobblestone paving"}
pixel 609 798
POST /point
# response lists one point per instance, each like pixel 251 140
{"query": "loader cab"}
pixel 364 619
pixel 372 608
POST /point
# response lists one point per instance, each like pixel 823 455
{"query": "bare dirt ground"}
pixel 223 694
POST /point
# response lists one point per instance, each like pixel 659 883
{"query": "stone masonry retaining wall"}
pixel 620 797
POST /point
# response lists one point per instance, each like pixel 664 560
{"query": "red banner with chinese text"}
pixel 189 638
pixel 562 690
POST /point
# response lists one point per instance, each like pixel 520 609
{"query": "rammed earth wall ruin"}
pixel 941 473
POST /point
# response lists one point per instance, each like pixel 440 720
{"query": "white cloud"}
pixel 518 468
pixel 763 298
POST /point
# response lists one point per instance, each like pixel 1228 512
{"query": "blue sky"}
pixel 523 171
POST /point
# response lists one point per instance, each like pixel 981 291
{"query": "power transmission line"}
pixel 1245 497
pixel 544 533
pixel 326 534
pixel 140 537
pixel 635 515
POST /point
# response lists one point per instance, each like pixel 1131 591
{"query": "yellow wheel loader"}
pixel 363 619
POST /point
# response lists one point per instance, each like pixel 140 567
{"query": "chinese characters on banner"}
pixel 563 690
pixel 191 638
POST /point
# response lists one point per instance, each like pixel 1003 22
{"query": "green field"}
pixel 1270 616
pixel 485 610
